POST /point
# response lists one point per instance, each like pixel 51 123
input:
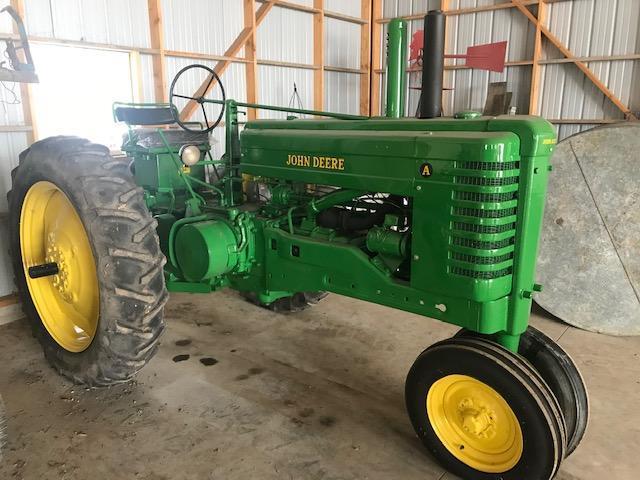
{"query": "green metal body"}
pixel 474 190
pixel 440 217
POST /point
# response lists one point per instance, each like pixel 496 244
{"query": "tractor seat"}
pixel 150 138
pixel 147 114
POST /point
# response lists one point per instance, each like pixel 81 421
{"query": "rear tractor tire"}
pixel 294 303
pixel 87 260
pixel 484 412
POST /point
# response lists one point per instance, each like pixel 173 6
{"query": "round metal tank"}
pixel 589 261
pixel 205 250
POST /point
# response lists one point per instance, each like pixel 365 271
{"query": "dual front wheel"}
pixel 487 413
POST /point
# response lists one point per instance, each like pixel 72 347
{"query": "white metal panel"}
pixel 11 144
pixel 203 26
pixel 10 104
pixel 347 7
pixel 341 43
pixel 38 19
pixel 342 92
pixel 276 88
pixel 119 22
pixel 5 19
pixel 286 35
pixel 146 74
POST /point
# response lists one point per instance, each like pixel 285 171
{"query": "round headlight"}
pixel 190 155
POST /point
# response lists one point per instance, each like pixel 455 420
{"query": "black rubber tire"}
pixel 122 234
pixel 294 303
pixel 530 398
pixel 562 375
pixel 3 428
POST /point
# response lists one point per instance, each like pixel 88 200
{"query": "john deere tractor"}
pixel 436 216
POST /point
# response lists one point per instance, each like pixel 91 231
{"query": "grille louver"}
pixel 483 227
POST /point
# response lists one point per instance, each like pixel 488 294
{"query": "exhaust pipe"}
pixel 432 65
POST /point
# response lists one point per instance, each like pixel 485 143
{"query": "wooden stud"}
pixel 568 54
pixel 463 11
pixel 251 67
pixel 318 55
pixel 222 65
pixel 536 71
pixel 376 64
pixel 9 300
pixel 292 6
pixel 156 29
pixel 25 88
pixel 365 57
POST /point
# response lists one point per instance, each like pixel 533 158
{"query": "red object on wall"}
pixel 489 56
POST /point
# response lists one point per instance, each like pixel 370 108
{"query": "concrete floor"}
pixel 315 395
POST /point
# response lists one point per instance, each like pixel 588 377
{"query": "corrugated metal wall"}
pixel 586 27
pixel 11 144
pixel 201 26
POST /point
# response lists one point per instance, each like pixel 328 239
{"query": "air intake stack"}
pixel 432 65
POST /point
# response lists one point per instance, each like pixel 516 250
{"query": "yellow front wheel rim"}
pixel 51 232
pixel 475 423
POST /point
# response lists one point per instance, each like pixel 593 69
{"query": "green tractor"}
pixel 436 216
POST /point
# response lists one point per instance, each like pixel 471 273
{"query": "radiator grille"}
pixel 491 166
pixel 481 244
pixel 485 196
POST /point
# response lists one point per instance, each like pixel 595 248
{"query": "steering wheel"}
pixel 200 100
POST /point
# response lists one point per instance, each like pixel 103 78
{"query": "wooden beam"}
pixel 251 67
pixel 536 71
pixel 9 300
pixel 568 54
pixel 376 48
pixel 222 65
pixel 365 57
pixel 598 58
pixel 292 6
pixel 318 55
pixel 16 128
pixel 156 29
pixel 469 10
pixel 347 18
pixel 25 88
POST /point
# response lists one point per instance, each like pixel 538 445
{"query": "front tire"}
pixel 99 313
pixel 484 413
pixel 561 373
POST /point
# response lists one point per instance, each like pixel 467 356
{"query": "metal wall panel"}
pixel 342 92
pixel 11 144
pixel 586 27
pixel 276 88
pixel 348 7
pixel 119 22
pixel 286 35
pixel 590 28
pixel 146 78
pixel 341 43
pixel 203 26
pixel 5 20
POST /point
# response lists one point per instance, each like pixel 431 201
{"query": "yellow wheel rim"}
pixel 51 231
pixel 475 423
